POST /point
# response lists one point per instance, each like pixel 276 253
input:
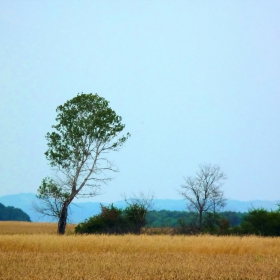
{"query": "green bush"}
pixel 262 222
pixel 113 220
pixel 258 222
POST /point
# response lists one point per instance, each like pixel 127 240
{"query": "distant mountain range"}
pixel 83 210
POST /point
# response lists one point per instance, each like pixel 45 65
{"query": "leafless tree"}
pixel 144 200
pixel 203 192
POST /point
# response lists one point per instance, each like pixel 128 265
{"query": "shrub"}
pixel 262 222
pixel 259 222
pixel 113 220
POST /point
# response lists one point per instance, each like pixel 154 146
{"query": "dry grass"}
pixel 48 256
pixel 31 228
pixel 160 231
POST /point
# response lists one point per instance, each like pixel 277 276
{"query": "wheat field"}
pixel 34 251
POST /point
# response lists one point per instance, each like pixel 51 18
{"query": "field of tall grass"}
pixel 34 251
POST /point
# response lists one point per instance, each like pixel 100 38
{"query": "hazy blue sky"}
pixel 194 81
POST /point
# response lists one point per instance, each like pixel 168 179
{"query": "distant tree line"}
pixel 113 220
pixel 10 213
pixel 166 218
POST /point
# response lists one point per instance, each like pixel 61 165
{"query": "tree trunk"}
pixel 200 221
pixel 63 219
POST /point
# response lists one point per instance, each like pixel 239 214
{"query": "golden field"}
pixel 32 228
pixel 34 251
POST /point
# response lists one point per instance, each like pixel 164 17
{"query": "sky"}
pixel 195 82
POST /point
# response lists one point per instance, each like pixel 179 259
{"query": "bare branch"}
pixel 144 200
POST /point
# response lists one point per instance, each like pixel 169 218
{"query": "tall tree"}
pixel 86 130
pixel 203 192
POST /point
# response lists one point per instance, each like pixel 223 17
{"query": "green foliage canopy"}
pixel 86 124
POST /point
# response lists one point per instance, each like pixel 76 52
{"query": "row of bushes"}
pixel 257 222
pixel 132 219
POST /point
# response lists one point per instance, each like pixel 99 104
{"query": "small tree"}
pixel 86 131
pixel 137 209
pixel 203 192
